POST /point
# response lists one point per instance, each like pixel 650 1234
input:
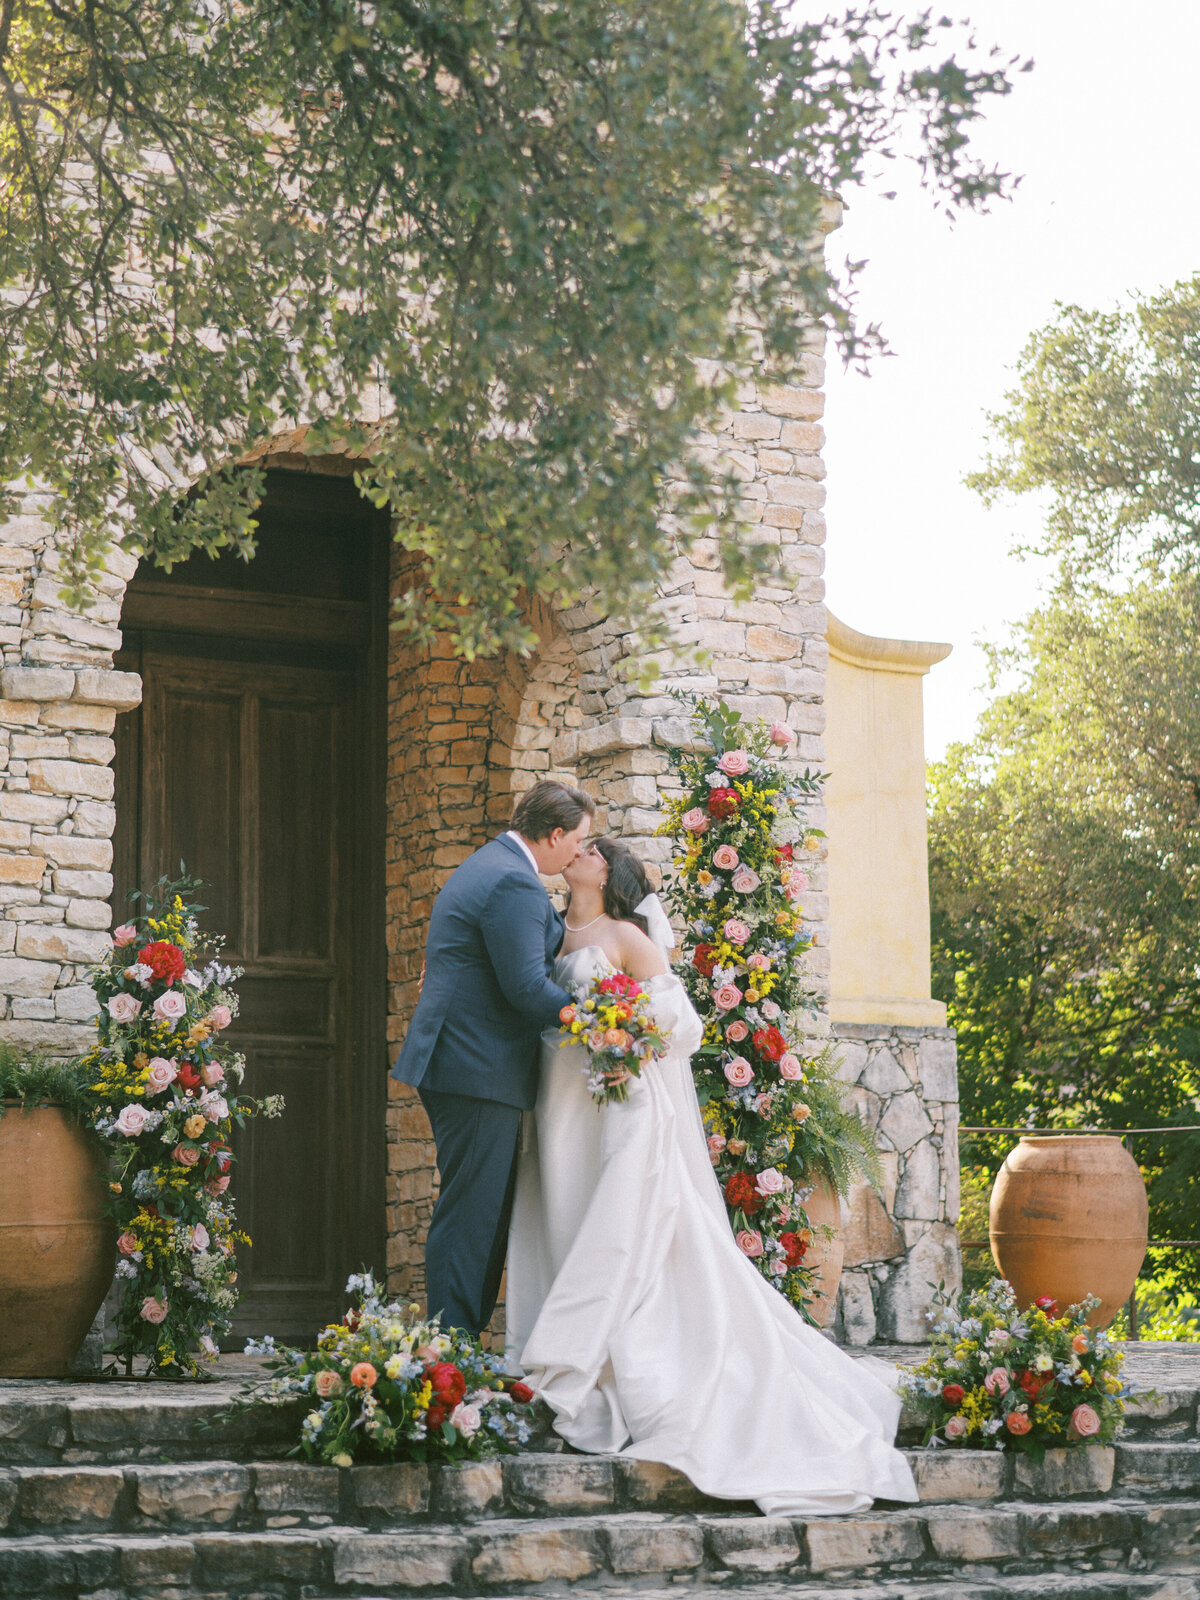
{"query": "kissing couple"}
pixel 629 1308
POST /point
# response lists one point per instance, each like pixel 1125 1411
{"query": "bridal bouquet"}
pixel 1026 1381
pixel 612 1020
pixel 382 1385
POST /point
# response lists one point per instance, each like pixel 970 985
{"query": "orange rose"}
pixel 616 1038
pixel 1079 1344
pixel 567 1015
pixel 1018 1422
pixel 363 1375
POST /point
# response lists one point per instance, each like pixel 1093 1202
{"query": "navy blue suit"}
pixel 471 1052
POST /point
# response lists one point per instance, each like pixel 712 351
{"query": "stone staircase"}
pixel 127 1491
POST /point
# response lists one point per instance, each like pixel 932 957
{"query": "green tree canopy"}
pixel 522 223
pixel 1065 864
pixel 1105 423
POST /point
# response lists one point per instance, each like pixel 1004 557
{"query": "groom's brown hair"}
pixel 549 805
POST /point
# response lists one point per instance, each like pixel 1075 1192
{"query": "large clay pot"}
pixel 1069 1218
pixel 825 1253
pixel 56 1246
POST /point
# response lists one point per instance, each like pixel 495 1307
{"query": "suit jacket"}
pixel 488 994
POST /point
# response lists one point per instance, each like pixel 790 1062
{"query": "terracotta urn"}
pixel 1069 1218
pixel 56 1246
pixel 825 1253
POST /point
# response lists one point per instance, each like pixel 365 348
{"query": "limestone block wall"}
pixel 59 700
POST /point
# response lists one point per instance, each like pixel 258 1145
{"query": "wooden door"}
pixel 256 762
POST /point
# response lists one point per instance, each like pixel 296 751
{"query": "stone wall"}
pixel 905 1087
pixel 60 702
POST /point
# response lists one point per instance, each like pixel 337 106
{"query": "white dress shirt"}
pixel 513 834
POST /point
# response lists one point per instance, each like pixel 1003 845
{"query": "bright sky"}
pixel 1104 130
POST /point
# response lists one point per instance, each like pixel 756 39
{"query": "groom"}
pixel 472 1046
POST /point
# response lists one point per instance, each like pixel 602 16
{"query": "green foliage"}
pixel 1105 420
pixel 541 237
pixel 32 1080
pixel 774 1115
pixel 1064 863
pixel 1164 1314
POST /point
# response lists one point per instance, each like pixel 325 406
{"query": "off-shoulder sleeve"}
pixel 674 1012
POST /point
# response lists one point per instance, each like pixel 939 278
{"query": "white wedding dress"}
pixel 633 1313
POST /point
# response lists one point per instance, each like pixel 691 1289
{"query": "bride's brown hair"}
pixel 627 884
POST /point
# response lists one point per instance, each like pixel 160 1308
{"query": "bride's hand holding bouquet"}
pixel 613 1021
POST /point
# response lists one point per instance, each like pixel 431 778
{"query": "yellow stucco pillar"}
pixel 878 853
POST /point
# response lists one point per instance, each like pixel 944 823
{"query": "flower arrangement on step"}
pixel 774 1114
pixel 1004 1379
pixel 381 1384
pixel 162 1090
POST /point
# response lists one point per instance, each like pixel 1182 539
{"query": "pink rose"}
pixel 123 1007
pixel 758 963
pixel 214 1106
pixel 716 1143
pixel 154 1310
pixel 187 1155
pixel 770 1181
pixel 769 1010
pixel 695 821
pixel 131 1121
pixel 734 763
pixel 736 931
pixel 327 1384
pixel 727 996
pixel 170 1007
pixel 737 1031
pixel 596 1039
pixel 466 1419
pixel 127 1244
pixel 124 935
pixel 997 1381
pixel 763 1105
pixel 725 857
pixel 216 1186
pixel 212 1073
pixel 200 1239
pixel 745 881
pixel 781 734
pixel 956 1428
pixel 161 1075
pixel 750 1242
pixel 1084 1422
pixel 789 1067
pixel 783 1215
pixel 797 882
pixel 739 1072
pixel 220 1017
pixel 210 1346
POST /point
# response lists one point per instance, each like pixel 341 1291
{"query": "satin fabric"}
pixel 634 1314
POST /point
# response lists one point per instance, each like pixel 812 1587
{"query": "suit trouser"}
pixel 468 1236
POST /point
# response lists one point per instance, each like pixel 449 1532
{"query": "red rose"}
pixel 521 1393
pixel 784 853
pixel 164 960
pixel 741 1193
pixel 1048 1304
pixel 187 1077
pixel 434 1418
pixel 704 959
pixel 770 1042
pixel 723 803
pixel 449 1385
pixel 221 1154
pixel 1033 1382
pixel 954 1394
pixel 794 1248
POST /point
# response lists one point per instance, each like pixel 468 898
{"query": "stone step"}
pixel 180 1496
pixel 263 1495
pixel 1076 1584
pixel 494 1557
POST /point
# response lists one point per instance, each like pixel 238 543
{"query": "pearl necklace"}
pixel 582 925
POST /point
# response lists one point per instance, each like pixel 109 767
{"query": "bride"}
pixel 630 1308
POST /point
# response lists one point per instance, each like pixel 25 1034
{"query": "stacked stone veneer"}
pixel 904 1085
pixel 60 702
